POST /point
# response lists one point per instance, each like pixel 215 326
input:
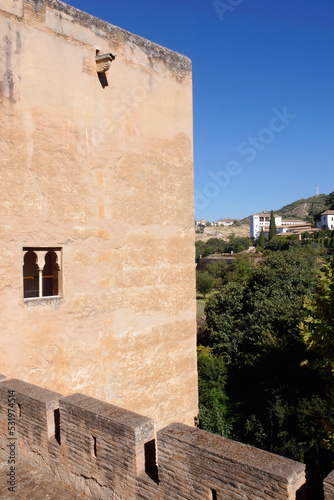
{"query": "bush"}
pixel 204 282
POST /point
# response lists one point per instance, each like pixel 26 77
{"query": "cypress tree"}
pixel 272 227
pixel 261 239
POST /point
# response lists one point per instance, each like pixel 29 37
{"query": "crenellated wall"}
pixel 107 452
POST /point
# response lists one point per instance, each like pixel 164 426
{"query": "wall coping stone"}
pixel 31 391
pixel 233 451
pixel 330 479
pixel 106 412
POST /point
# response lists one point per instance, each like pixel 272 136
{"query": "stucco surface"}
pixel 105 173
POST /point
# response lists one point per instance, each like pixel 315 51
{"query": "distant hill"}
pixel 303 209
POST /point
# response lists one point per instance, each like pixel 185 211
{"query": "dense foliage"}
pixel 322 240
pixel 204 283
pixel 318 326
pixel 223 273
pixel 212 393
pixel 273 396
pixel 235 244
pixel 330 201
pixel 318 334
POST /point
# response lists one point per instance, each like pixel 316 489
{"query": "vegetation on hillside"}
pixel 219 246
pixel 314 205
pixel 305 208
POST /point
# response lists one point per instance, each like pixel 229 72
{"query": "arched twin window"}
pixel 41 272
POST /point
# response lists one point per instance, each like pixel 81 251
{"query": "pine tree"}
pixel 272 227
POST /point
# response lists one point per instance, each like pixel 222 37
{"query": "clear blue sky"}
pixel 263 83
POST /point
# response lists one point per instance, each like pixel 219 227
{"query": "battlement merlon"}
pixel 108 416
pixel 30 391
pixel 227 464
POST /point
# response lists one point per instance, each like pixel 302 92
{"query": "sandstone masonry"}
pixel 107 452
pixel 97 274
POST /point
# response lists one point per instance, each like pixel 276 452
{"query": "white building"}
pixel 295 228
pixel 223 222
pixel 261 221
pixel 327 220
pixel 293 222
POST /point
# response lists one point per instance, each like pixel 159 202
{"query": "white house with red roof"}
pixel 327 220
pixel 257 222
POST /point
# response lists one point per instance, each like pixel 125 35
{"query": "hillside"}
pixel 304 208
pixel 223 232
pixel 301 209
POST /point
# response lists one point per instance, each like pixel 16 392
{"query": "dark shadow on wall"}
pixel 103 80
pixel 151 468
pixel 301 493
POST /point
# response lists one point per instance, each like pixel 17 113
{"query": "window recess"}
pixel 42 272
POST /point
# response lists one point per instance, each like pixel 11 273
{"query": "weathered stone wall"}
pixel 107 452
pixel 104 172
pixel 33 422
pixel 194 464
pixel 96 447
pixel 329 486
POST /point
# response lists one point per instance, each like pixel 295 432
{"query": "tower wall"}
pixel 98 168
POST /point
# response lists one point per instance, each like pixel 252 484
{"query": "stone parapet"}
pixel 196 464
pixel 104 443
pixel 32 412
pixel 104 451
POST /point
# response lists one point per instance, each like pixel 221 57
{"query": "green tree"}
pixel 318 327
pixel 276 401
pixel 212 393
pixel 317 331
pixel 223 317
pixel 203 283
pixel 219 271
pixel 261 239
pixel 272 227
pixel 330 201
pixel 241 269
pixel 238 244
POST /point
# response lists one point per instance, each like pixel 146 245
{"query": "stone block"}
pixel 329 486
pixel 193 463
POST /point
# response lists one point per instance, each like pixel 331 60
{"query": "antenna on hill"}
pixel 317 189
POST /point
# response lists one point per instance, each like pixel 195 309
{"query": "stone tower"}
pixel 97 277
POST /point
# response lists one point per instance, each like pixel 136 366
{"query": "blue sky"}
pixel 263 86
